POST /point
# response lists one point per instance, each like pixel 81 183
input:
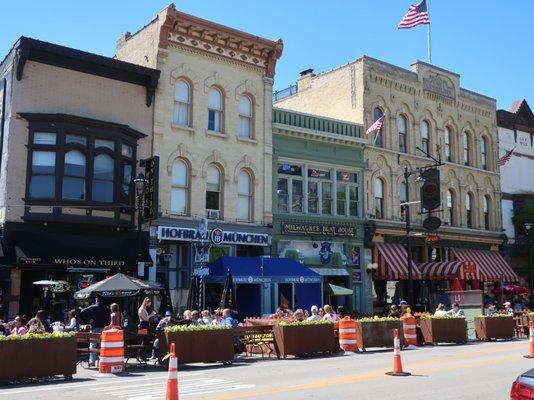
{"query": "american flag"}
pixel 417 15
pixel 376 126
pixel 504 159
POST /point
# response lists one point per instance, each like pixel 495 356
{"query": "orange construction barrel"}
pixel 347 334
pixel 409 327
pixel 111 352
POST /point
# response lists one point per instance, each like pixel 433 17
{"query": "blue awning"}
pixel 261 270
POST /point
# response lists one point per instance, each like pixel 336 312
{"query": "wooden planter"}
pixel 304 339
pixel 488 328
pixel 207 346
pixel 377 334
pixel 37 358
pixel 444 330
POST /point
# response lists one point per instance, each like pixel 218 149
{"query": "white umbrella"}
pixel 45 283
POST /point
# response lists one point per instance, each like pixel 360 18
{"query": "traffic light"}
pixel 430 191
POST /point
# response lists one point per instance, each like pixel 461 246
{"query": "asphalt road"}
pixel 473 371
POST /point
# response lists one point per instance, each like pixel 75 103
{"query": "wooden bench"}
pixel 257 337
pixel 84 339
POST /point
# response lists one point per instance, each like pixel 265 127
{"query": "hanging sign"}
pixel 151 187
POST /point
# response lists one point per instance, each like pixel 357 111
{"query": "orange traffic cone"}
pixel 397 363
pixel 531 336
pixel 172 380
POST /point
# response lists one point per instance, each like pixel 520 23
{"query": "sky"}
pixel 490 43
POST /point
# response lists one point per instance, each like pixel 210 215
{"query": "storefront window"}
pixel 326 198
pixel 313 197
pixel 347 193
pixel 282 194
pixel 296 196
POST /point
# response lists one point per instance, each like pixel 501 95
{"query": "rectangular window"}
pixel 288 169
pixel 181 114
pixel 326 190
pixel 44 138
pixel 353 201
pixel 178 200
pixel 341 198
pixel 313 197
pixel 110 144
pixel 282 194
pixel 296 196
pixel 317 173
pixel 76 139
pixel 126 183
pixel 43 178
pixel 214 120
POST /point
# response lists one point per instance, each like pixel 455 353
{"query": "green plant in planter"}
pixel 495 316
pixel 377 319
pixel 196 328
pixel 39 336
pixel 448 316
pixel 303 323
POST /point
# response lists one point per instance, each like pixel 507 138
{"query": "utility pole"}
pixel 407 175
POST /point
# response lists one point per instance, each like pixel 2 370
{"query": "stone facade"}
pixel 424 94
pixel 212 127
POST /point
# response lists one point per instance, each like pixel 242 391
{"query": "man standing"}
pixel 98 316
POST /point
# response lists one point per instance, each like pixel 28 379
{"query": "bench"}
pixel 84 339
pixel 257 339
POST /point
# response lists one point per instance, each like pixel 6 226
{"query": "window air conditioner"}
pixel 213 214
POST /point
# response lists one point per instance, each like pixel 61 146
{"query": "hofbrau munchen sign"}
pixel 218 236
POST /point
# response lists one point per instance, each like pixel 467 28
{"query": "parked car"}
pixel 523 387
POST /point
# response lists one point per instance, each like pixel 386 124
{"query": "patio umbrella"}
pixel 228 294
pixel 192 297
pixel 45 283
pixel 120 285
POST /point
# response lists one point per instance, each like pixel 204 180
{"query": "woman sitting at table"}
pixel 440 310
pixel 117 319
pixel 145 313
pixel 72 326
pixel 18 328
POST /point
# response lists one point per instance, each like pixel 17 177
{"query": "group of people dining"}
pixel 325 313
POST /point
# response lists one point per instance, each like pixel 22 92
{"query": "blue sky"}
pixel 490 43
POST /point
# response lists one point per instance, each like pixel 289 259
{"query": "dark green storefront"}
pixel 317 202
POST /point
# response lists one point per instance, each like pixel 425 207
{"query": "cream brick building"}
pixel 424 107
pixel 212 132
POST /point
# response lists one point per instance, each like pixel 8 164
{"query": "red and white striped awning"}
pixel 392 262
pixel 491 264
pixel 449 270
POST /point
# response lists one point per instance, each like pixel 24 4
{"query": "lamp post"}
pixel 407 175
pixel 528 227
pixel 140 183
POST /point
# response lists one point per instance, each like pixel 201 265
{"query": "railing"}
pixel 321 124
pixel 282 94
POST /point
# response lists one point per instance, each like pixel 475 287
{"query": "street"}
pixel 474 371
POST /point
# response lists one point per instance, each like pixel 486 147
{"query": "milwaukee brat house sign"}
pixel 305 228
pixel 219 236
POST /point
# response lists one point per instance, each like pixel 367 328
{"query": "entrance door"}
pixel 248 299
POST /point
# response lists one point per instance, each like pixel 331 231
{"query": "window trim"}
pixel 404 134
pixel 250 196
pixel 250 118
pixel 426 140
pixel 189 104
pixel 187 188
pixel 221 189
pixel 221 112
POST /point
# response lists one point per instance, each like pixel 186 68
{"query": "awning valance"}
pixel 331 271
pixel 393 263
pixel 491 264
pixel 449 270
pixel 339 290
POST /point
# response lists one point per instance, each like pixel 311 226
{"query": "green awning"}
pixel 339 290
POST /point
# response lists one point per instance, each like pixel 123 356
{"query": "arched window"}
pixel 403 197
pixel 103 178
pixel 213 188
pixel 425 137
pixel 74 176
pixel 467 145
pixel 484 152
pixel 379 198
pixel 182 98
pixel 468 210
pixel 486 209
pixel 401 128
pixel 180 187
pixel 244 196
pixel 245 117
pixel 448 143
pixel 215 110
pixel 450 207
pixel 377 113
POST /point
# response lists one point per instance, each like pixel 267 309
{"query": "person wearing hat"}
pixel 508 308
pixel 314 314
pixel 165 321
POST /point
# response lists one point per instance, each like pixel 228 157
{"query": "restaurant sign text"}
pixel 308 228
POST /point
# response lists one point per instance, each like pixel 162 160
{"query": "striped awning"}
pixel 392 262
pixel 491 264
pixel 449 270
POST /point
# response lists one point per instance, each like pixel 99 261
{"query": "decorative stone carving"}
pixel 439 84
pixel 216 79
pixel 246 87
pixel 214 158
pixel 182 151
pixel 246 163
pixel 184 70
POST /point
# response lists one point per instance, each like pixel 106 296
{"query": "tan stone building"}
pixel 74 126
pixel 212 132
pixel 423 107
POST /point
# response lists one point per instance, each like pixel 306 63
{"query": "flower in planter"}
pixel 196 328
pixel 39 336
pixel 446 316
pixel 377 319
pixel 303 323
pixel 495 316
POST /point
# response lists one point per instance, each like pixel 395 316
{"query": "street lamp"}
pixel 140 183
pixel 528 227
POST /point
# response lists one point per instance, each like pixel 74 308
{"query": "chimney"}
pixel 305 79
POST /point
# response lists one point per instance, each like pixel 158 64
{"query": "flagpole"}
pixel 429 34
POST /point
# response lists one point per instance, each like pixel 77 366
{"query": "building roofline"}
pixel 434 67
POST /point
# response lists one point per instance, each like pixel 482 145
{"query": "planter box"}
pixel 304 339
pixel 444 330
pixel 37 358
pixel 377 334
pixel 488 328
pixel 207 346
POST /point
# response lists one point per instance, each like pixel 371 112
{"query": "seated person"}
pixel 394 311
pixel 18 328
pixel 165 321
pixel 456 310
pixel 440 310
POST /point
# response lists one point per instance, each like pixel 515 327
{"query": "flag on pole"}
pixel 376 126
pixel 504 159
pixel 417 15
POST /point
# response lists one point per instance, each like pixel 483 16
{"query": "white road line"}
pixel 112 381
pixel 163 382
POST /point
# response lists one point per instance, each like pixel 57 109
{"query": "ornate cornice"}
pixel 193 32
